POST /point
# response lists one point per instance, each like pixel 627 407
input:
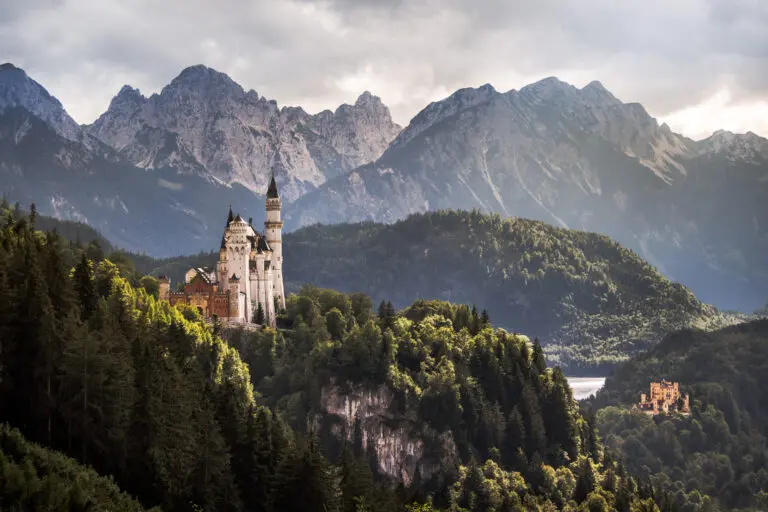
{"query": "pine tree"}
pixel 84 287
pixel 485 321
pixel 308 470
pixel 474 321
pixel 356 481
pixel 586 480
pixel 539 362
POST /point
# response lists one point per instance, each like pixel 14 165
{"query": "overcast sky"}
pixel 699 65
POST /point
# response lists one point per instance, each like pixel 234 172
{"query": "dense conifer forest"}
pixel 99 376
pixel 592 301
pixel 716 458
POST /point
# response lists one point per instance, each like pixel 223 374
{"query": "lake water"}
pixel 584 386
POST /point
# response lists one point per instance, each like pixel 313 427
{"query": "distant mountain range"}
pixel 156 174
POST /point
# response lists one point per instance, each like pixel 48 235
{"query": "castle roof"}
pixel 230 217
pixel 272 190
pixel 263 245
pixel 204 274
pixel 234 278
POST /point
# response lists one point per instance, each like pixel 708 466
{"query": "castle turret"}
pixel 223 265
pixel 234 297
pixel 165 287
pixel 273 231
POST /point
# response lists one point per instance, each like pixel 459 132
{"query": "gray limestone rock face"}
pixel 205 123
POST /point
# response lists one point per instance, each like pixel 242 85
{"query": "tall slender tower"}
pixel 273 231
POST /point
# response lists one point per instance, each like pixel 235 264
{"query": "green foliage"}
pixel 102 371
pixel 593 301
pixel 94 366
pixel 718 455
pixel 445 376
pixel 34 478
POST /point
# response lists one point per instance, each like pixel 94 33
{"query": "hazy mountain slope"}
pixel 159 212
pixel 18 90
pixel 204 122
pixel 577 158
pixel 591 301
pixel 723 445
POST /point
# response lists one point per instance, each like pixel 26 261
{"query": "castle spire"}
pixel 272 190
pixel 231 217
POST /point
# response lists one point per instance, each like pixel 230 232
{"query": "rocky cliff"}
pixel 398 440
pixel 204 122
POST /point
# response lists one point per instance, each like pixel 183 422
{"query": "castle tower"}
pixel 223 265
pixel 238 257
pixel 165 287
pixel 234 297
pixel 273 231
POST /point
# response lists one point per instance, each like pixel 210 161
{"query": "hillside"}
pixel 35 478
pixel 721 449
pixel 591 301
pixel 153 397
pixel 75 232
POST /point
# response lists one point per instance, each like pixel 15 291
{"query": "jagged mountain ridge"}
pixel 206 123
pixel 573 157
pixel 581 159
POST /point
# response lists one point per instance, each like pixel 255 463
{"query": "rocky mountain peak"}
pixel 205 122
pixel 745 146
pixel 127 97
pixel 204 82
pixel 359 133
pixel 596 93
pixel 17 89
pixel 438 111
pixel 366 98
pixel 548 88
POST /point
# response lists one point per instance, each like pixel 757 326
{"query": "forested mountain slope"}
pixel 151 395
pixel 721 449
pixel 591 301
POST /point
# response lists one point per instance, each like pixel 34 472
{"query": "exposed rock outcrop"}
pixel 404 447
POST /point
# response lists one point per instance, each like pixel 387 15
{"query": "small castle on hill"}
pixel 247 283
pixel 665 397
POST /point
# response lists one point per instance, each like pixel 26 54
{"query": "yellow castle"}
pixel 665 397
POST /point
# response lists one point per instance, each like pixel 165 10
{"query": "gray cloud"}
pixel 666 55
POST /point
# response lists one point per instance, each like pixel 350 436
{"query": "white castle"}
pixel 247 283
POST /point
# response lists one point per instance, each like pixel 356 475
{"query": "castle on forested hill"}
pixel 665 397
pixel 247 283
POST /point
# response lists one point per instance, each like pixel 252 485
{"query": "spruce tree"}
pixel 84 287
pixel 356 481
